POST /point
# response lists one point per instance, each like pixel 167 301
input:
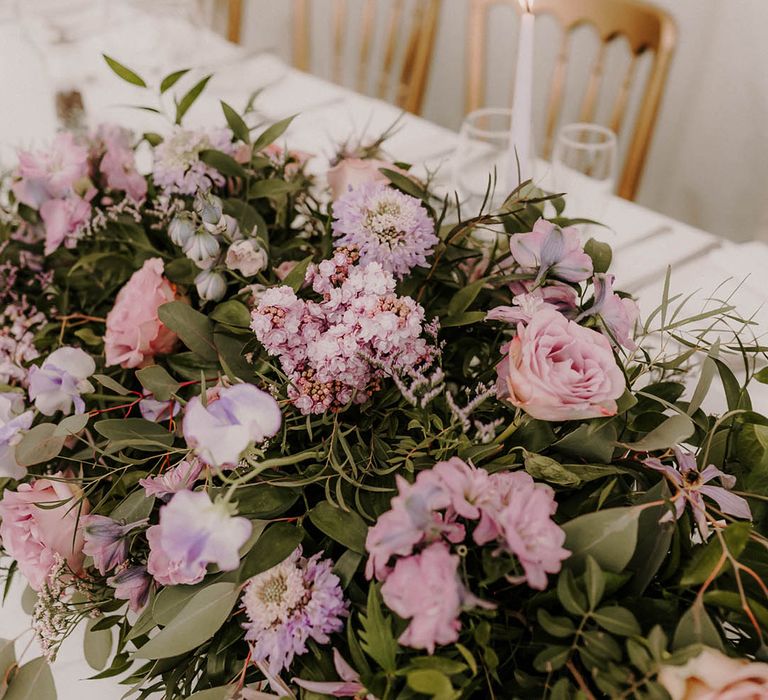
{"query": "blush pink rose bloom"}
pixel 134 332
pixel 34 536
pixel 350 173
pixel 557 370
pixel 425 589
pixel 713 676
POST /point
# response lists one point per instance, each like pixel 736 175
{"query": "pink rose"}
pixel 34 536
pixel 713 676
pixel 134 331
pixel 350 173
pixel 557 370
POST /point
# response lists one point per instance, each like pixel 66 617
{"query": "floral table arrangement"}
pixel 268 439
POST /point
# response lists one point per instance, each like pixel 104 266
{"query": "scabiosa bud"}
pixel 181 228
pixel 211 285
pixel 297 600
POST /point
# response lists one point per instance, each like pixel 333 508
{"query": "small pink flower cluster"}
pixel 409 547
pixel 337 350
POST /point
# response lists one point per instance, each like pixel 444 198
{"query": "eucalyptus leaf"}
pixel 346 527
pixel 607 535
pixel 156 380
pixel 195 623
pixel 696 627
pixel 194 329
pixel 276 544
pixel 39 445
pixel 134 432
pixel 674 430
pixel 71 425
pixel 97 645
pixel 33 681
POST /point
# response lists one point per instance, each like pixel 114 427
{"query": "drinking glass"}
pixel 483 147
pixel 584 168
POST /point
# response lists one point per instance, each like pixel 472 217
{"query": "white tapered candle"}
pixel 522 105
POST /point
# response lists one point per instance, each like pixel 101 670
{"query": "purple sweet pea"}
pixel 235 418
pixel 194 532
pixel 105 541
pixel 551 250
pixel 156 411
pixel 348 687
pixel 132 583
pixel 58 383
pixel 182 477
pixel 618 315
pixel 692 485
pixel 13 420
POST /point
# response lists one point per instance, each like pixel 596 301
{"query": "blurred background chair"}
pixel 392 64
pixel 645 28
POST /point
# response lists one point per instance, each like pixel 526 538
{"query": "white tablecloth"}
pixel 328 114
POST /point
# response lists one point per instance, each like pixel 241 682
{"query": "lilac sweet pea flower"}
pixel 549 249
pixel 132 583
pixel 194 532
pixel 524 308
pixel 105 541
pixel 618 314
pixel 13 420
pixel 241 416
pixel 58 383
pixel 156 411
pixel 182 477
pixel 692 486
pixel 348 687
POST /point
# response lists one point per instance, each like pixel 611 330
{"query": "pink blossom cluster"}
pixel 338 349
pixel 409 547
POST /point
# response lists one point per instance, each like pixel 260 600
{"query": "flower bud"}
pixel 211 285
pixel 202 246
pixel 181 229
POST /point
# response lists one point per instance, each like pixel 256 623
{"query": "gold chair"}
pixel 645 27
pixel 403 70
pixel 234 20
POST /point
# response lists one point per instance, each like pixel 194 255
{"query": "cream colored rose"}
pixel 713 676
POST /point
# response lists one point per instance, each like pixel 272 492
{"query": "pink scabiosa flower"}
pixel 182 477
pixel 227 426
pixel 178 168
pixel 618 315
pixel 551 250
pixel 118 164
pixel 386 226
pixel 426 589
pixel 297 600
pixel 135 333
pixel 35 536
pixel 14 419
pixel 105 541
pixel 557 370
pixel 692 485
pixel 194 532
pixel 132 583
pixel 58 383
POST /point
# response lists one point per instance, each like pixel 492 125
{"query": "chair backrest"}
pixel 397 71
pixel 644 27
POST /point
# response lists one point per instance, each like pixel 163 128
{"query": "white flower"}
pixel 211 286
pixel 241 416
pixel 201 246
pixel 208 207
pixel 13 420
pixel 248 256
pixel 181 229
pixel 60 380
